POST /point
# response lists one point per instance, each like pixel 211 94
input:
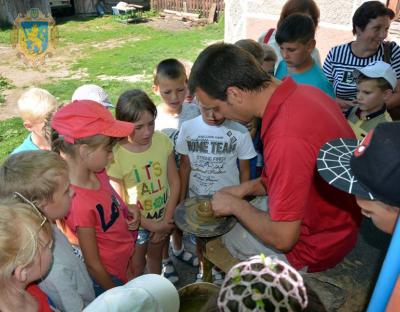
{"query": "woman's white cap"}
pixel 147 293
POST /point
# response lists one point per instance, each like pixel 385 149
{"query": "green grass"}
pixel 4 85
pixel 135 57
pixel 5 35
pixel 139 49
pixel 12 133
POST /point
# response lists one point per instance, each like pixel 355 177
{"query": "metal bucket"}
pixel 198 297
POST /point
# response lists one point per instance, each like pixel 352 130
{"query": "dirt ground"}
pixel 22 76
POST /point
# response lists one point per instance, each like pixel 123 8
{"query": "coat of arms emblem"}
pixel 34 36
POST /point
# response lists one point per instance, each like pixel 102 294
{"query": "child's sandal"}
pixel 187 257
pixel 199 277
pixel 169 271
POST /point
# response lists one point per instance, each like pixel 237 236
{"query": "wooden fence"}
pixel 192 6
pixel 110 3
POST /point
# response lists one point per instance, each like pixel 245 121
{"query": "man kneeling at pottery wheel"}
pixel 303 221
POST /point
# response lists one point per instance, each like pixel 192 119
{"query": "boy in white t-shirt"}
pixel 210 148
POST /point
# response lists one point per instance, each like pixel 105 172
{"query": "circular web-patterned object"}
pixel 262 284
pixel 334 166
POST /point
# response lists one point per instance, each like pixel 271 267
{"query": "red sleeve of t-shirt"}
pixel 290 165
pixel 83 211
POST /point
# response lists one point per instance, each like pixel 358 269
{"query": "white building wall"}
pixel 249 18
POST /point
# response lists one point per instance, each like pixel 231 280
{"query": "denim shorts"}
pixel 143 237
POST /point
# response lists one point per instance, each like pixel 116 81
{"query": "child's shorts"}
pixel 143 237
pixel 98 290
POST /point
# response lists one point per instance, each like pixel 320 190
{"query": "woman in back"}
pixel 371 22
pixel 307 7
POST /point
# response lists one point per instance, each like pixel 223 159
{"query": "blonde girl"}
pixel 42 177
pixel 25 255
pixel 144 173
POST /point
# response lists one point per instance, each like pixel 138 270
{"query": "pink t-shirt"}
pixel 104 210
pixel 298 120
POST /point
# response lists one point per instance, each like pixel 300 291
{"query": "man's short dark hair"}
pixel 295 28
pixel 367 11
pixel 223 65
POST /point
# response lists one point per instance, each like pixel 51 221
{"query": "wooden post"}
pixel 211 13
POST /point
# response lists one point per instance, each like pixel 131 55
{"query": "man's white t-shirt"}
pixel 213 152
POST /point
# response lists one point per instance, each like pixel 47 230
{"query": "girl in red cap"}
pixel 84 134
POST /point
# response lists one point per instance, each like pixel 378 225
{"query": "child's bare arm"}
pixel 174 187
pixel 244 170
pixel 184 173
pixel 88 244
pixel 134 212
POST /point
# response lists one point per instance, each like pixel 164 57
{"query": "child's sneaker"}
pixel 199 277
pixel 186 256
pixel 169 271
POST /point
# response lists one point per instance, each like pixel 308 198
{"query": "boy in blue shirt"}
pixel 296 39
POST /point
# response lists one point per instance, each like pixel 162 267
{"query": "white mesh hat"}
pixel 262 284
pixel 92 92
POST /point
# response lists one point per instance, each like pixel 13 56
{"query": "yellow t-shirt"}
pixel 144 175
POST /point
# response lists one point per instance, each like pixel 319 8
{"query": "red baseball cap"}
pixel 84 118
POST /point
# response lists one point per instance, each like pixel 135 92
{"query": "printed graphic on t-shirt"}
pixel 348 77
pixel 150 192
pixel 209 162
pixel 213 152
pixel 115 206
